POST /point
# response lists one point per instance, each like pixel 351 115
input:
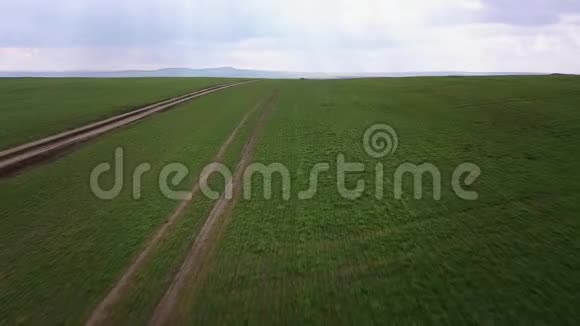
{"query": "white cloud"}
pixel 323 35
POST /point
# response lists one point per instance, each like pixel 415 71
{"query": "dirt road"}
pixel 17 158
pixel 168 311
pixel 101 313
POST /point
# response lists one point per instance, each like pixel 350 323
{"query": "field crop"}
pixel 35 107
pixel 154 279
pixel 61 247
pixel 510 256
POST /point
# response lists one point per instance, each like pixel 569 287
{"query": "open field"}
pixel 62 247
pixel 36 107
pixel 14 159
pixel 511 256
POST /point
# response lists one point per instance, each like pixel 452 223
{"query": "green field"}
pixel 36 107
pixel 62 247
pixel 509 257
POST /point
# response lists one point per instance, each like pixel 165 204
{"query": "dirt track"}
pixel 168 311
pixel 101 313
pixel 17 158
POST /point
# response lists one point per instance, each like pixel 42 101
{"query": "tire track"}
pixel 101 313
pixel 17 158
pixel 167 311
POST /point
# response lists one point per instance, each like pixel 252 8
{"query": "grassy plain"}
pixel 35 107
pixel 509 257
pixel 154 279
pixel 62 248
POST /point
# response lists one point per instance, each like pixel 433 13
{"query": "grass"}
pixel 155 278
pixel 36 107
pixel 509 257
pixel 61 247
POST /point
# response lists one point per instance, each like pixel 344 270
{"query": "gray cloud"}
pixel 320 35
pixel 529 12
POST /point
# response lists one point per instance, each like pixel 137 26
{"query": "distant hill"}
pixel 167 72
pixel 236 73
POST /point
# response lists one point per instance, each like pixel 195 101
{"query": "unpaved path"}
pixel 167 311
pixel 14 159
pixel 101 313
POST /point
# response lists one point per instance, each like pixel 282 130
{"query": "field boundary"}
pixel 16 158
pixel 166 310
pixel 102 312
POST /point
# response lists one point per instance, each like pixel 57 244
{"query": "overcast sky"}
pixel 297 35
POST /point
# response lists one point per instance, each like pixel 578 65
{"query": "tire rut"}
pixel 18 158
pixel 101 314
pixel 167 311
